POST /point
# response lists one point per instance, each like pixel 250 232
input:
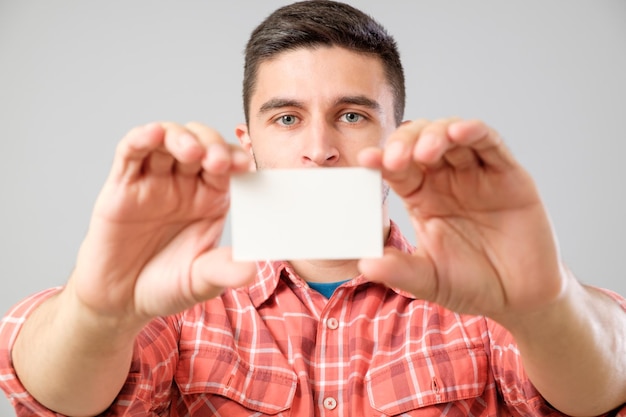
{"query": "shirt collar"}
pixel 269 272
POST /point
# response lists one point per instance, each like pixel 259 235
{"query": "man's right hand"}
pixel 151 248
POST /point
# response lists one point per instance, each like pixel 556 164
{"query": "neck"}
pixel 326 271
pixel 317 270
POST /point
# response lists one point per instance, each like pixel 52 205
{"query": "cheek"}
pixel 266 158
pixel 351 147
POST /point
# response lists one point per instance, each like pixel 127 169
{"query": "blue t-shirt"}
pixel 326 288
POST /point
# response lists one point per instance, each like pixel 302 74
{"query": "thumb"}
pixel 413 273
pixel 215 270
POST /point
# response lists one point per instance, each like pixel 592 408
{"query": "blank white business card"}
pixel 315 213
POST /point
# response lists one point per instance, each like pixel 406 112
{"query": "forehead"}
pixel 321 72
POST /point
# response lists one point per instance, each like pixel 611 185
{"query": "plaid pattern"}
pixel 278 348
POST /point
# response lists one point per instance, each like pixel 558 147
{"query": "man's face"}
pixel 317 108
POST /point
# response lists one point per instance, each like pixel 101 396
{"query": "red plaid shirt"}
pixel 279 348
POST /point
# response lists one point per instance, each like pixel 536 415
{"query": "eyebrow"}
pixel 359 100
pixel 279 103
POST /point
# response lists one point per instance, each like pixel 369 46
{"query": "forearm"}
pixel 70 361
pixel 574 351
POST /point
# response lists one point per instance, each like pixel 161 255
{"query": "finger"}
pixel 133 149
pixel 371 157
pixel 159 162
pixel 436 148
pixel 419 141
pixel 181 153
pixel 185 148
pixel 397 154
pixel 485 142
pixel 215 270
pixel 395 160
pixel 432 144
pixel 216 159
pixel 189 160
pixel 413 273
pixel 221 157
pixel 462 158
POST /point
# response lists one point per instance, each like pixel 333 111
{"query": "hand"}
pixel 151 248
pixel 485 243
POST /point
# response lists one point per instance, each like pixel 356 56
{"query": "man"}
pixel 481 319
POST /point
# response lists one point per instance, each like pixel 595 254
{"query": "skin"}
pixel 486 243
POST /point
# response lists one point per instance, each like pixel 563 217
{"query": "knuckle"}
pixel 204 133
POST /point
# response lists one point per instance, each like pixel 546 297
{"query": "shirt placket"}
pixel 331 356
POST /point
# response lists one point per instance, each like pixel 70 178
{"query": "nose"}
pixel 319 148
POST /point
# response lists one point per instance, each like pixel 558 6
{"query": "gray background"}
pixel 76 75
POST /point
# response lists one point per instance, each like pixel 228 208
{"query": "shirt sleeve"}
pixel 517 390
pixel 147 390
pixel 10 326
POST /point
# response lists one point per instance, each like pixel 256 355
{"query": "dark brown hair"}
pixel 314 23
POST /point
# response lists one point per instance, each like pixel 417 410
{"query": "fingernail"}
pixel 186 140
pixel 394 150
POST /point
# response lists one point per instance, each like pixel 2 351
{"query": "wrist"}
pixel 94 329
pixel 549 316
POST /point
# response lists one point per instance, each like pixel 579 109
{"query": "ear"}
pixel 244 140
pixel 244 137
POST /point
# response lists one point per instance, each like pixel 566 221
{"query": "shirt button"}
pixel 332 323
pixel 330 403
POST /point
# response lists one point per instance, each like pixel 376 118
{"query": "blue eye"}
pixel 287 120
pixel 352 117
